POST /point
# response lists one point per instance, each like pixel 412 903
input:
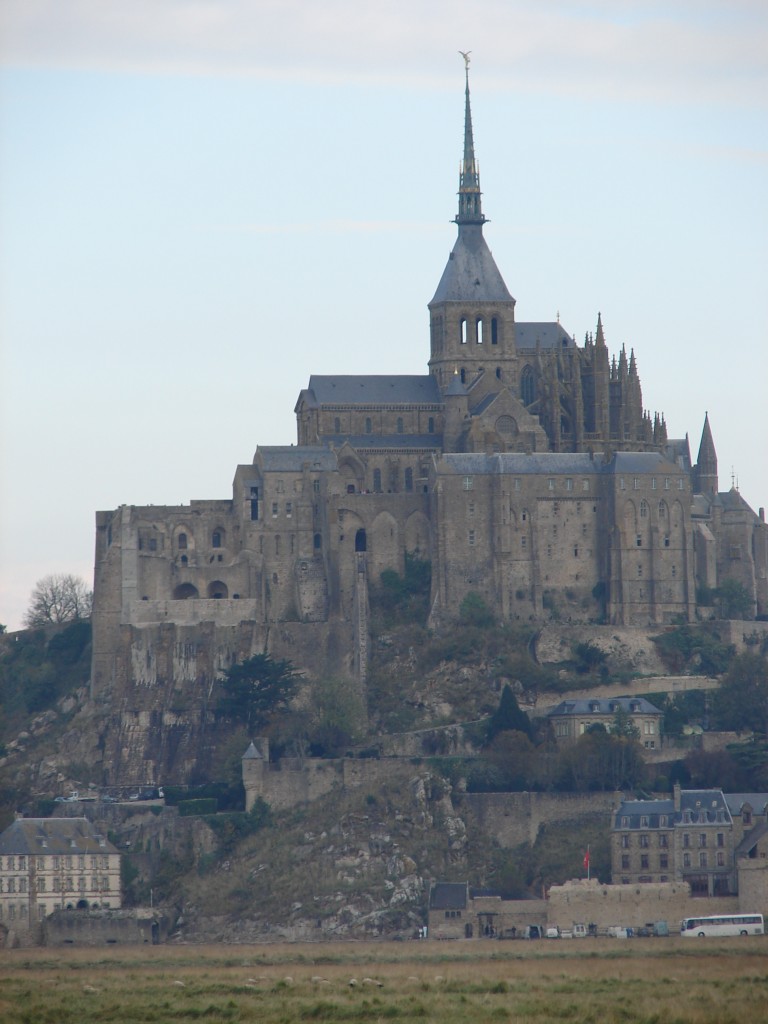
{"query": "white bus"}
pixel 726 924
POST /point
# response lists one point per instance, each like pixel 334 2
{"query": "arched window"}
pixel 184 560
pixel 527 386
pixel 368 425
pixel 463 330
pixel 361 541
pixel 463 375
pixel 408 478
pixel 498 373
pixel 184 592
pixel 317 541
pixel 216 539
pixel 643 509
pixel 217 590
pixel 377 481
pixel 494 331
pixel 662 510
pixel 399 424
pixel 181 541
pixel 479 330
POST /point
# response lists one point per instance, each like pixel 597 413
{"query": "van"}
pixel 579 931
pixel 553 933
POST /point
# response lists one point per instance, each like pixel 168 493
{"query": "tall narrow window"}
pixel 181 541
pixel 527 386
pixel 216 539
pixel 399 424
pixel 408 478
pixel 463 330
pixel 368 425
pixel 479 331
pixel 431 425
pixel 494 331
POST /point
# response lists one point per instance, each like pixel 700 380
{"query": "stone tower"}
pixel 472 314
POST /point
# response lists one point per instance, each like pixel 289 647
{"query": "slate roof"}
pixel 41 836
pixel 605 706
pixel 448 896
pixel 291 458
pixel 751 839
pixel 513 463
pixel 547 335
pixel 638 462
pixel 370 442
pixel 471 274
pixel 634 810
pixel 706 807
pixel 252 753
pixel 757 801
pixel 373 390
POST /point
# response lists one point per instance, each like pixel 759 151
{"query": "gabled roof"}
pixel 448 896
pixel 372 442
pixel 758 802
pixel 605 706
pixel 372 390
pixel 751 839
pixel 41 836
pixel 547 335
pixel 292 458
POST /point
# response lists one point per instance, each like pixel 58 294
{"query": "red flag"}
pixel 586 860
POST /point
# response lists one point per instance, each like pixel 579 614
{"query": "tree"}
pixel 741 703
pixel 734 601
pixel 257 689
pixel 58 598
pixel 508 716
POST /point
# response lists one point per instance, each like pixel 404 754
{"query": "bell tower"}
pixel 472 314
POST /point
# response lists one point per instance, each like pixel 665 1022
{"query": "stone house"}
pixel 49 864
pixel 690 837
pixel 458 911
pixel 570 719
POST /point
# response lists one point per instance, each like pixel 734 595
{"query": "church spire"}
pixel 470 204
pixel 705 474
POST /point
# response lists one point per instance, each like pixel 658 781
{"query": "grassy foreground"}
pixel 672 981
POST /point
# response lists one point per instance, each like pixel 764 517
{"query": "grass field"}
pixel 652 981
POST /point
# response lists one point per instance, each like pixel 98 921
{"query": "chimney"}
pixel 676 792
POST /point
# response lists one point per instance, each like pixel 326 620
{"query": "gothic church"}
pixel 523 466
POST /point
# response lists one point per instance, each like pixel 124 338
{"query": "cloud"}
pixel 637 49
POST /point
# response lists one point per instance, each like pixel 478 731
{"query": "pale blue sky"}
pixel 201 203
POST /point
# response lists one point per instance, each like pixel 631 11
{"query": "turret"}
pixel 705 471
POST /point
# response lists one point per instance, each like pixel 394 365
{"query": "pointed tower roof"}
pixel 471 274
pixel 707 455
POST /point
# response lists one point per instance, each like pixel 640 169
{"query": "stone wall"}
pixel 515 818
pixel 587 901
pixel 104 927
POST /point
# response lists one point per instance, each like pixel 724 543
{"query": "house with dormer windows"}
pixel 49 864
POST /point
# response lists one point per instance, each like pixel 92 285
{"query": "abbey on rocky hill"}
pixel 522 465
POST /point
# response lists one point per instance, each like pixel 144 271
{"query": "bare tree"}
pixel 58 598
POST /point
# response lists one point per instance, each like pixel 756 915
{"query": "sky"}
pixel 202 202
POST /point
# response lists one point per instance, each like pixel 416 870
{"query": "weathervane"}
pixel 465 55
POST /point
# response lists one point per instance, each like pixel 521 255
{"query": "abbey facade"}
pixel 522 465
